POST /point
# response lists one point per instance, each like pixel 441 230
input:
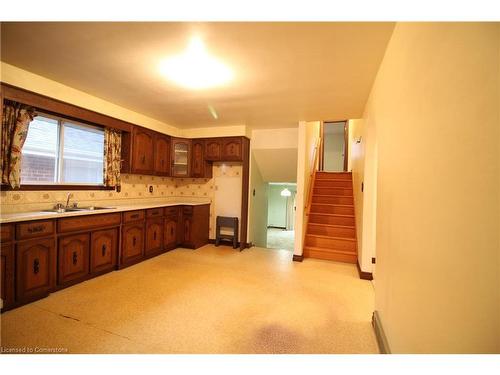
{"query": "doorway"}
pixel 281 216
pixel 334 146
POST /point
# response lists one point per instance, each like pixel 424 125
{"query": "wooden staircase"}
pixel 331 230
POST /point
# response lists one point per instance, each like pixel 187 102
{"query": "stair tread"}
pixel 332 204
pixel 350 239
pixel 330 195
pixel 334 179
pixel 333 225
pixel 329 250
pixel 322 213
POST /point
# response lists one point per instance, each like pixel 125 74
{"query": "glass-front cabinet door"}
pixel 181 157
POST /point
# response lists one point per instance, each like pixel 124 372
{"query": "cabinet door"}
pixel 132 243
pixel 197 160
pixel 73 258
pixel 170 232
pixel 187 223
pixel 162 155
pixel 142 151
pixel 232 149
pixel 213 149
pixel 103 250
pixel 7 274
pixel 154 236
pixel 181 155
pixel 35 269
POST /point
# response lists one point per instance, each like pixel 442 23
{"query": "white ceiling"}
pixel 284 72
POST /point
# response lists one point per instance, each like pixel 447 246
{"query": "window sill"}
pixel 56 187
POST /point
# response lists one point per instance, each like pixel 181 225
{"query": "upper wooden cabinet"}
pixel 213 149
pixel 200 168
pixel 181 157
pixel 142 151
pixel 232 149
pixel 224 149
pixel 162 155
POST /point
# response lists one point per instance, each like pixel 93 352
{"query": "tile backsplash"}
pixel 134 190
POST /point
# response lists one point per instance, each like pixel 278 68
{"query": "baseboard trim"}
pixel 383 345
pixel 364 275
pixel 298 258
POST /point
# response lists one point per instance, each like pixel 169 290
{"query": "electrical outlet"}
pixel 373 260
pixel 151 188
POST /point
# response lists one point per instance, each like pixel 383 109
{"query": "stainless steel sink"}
pixel 78 209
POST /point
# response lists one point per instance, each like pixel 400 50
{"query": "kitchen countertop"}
pixel 39 215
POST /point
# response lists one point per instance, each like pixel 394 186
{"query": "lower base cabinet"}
pixel 103 250
pixel 35 269
pixel 73 257
pixel 7 274
pixel 154 237
pixel 132 243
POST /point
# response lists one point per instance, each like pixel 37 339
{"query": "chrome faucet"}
pixel 67 200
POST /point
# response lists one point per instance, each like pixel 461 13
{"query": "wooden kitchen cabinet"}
pixel 73 258
pixel 35 269
pixel 213 147
pixel 142 151
pixel 154 236
pixel 132 243
pixel 232 149
pixel 181 157
pixel 162 155
pixel 7 274
pixel 103 250
pixel 195 225
pixel 200 168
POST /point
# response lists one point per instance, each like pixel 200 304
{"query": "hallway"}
pixel 278 238
pixel 212 300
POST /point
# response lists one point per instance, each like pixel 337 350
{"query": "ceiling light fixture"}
pixel 286 193
pixel 195 68
pixel 212 111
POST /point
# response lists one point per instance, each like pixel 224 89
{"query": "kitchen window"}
pixel 62 152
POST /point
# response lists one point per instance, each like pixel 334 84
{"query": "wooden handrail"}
pixel 314 169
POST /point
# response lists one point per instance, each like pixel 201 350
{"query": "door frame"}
pixel 322 144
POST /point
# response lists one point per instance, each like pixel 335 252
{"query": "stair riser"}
pixel 336 176
pixel 330 183
pixel 333 200
pixel 325 209
pixel 334 220
pixel 332 191
pixel 331 243
pixel 346 258
pixel 331 231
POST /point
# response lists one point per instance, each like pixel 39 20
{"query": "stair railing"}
pixel 314 169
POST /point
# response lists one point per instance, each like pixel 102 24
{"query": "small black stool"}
pixel 226 222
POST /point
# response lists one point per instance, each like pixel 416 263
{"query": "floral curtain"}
pixel 16 118
pixel 112 157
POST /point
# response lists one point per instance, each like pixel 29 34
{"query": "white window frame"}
pixel 59 164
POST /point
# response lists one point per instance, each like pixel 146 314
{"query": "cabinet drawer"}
pixel 171 211
pixel 7 232
pixel 130 216
pixel 34 229
pixel 72 224
pixel 187 210
pixel 154 212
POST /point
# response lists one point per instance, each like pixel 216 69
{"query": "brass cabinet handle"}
pixel 154 235
pixel 134 241
pixel 143 159
pixel 75 258
pixel 171 231
pixel 104 250
pixel 36 266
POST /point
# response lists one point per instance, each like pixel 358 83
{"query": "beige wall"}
pixel 435 109
pixel 257 222
pixel 308 137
